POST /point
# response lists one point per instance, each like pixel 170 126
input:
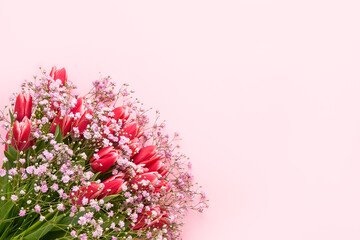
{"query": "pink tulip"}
pixel 90 192
pixel 106 159
pixel 146 219
pixel 131 130
pixel 59 74
pixel 112 186
pixel 23 106
pixel 21 134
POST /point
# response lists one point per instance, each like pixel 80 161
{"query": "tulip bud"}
pixel 21 134
pixel 106 158
pixel 112 186
pixel 130 130
pixel 59 74
pixel 23 106
pixel 90 192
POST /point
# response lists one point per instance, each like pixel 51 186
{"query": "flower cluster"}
pixel 90 167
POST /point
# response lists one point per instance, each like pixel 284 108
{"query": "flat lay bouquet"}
pixel 90 167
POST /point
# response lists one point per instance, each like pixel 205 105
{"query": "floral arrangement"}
pixel 90 167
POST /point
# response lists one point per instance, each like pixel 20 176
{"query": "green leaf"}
pixel 44 228
pixel 55 235
pixel 12 150
pixel 39 233
pixel 58 134
pixel 3 183
pixel 81 162
pixel 11 117
pixel 94 177
pixel 4 235
pixel 40 145
pixel 5 211
pixel 108 198
pixel 9 156
pixel 12 155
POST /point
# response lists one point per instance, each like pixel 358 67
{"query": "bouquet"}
pixel 90 167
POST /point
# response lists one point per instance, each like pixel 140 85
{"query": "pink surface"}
pixel 265 94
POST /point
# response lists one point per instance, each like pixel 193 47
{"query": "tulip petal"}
pixel 20 107
pixel 155 166
pixel 28 106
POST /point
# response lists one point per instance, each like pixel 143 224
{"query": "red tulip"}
pixel 162 185
pixel 145 181
pixel 107 158
pixel 164 220
pixel 113 186
pixel 21 134
pixel 59 74
pixel 163 170
pixel 159 224
pixel 66 123
pixel 83 122
pixel 134 145
pixel 23 106
pixel 152 177
pixel 155 166
pixel 121 113
pixel 131 130
pixel 90 192
pixel 79 106
pixel 148 157
pixel 153 215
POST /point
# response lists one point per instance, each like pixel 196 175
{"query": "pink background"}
pixel 265 94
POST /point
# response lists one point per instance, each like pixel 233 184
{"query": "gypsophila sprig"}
pixel 90 167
